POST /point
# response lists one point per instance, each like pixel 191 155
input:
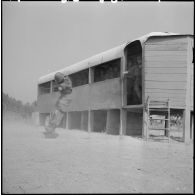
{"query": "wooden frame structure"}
pixel 166 74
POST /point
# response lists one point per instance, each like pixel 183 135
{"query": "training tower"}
pixel 104 98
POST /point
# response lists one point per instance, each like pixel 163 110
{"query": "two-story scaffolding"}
pixel 111 89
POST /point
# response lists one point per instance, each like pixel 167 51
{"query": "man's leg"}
pixel 57 118
pixel 52 122
pixel 49 127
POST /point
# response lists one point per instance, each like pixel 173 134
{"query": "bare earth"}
pixel 81 162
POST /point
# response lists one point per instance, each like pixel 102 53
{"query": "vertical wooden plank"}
pixel 50 93
pixel 64 121
pixel 192 74
pixel 38 93
pixel 166 125
pixel 123 81
pixel 145 119
pixel 145 114
pixel 186 113
pixel 123 114
pixel 90 112
pixel 90 120
pixel 143 75
pixel 191 125
pixel 145 124
pixel 108 121
pixel 123 121
pixel 82 120
pixel 186 125
pixel 67 120
pixel 51 87
pixel 169 119
pixel 91 75
pixel 148 119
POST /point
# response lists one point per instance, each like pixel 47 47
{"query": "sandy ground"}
pixel 81 162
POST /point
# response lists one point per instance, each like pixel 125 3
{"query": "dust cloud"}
pixel 81 162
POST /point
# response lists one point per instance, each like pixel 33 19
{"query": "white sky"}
pixel 41 37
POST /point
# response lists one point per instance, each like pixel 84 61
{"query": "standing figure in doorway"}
pixel 134 76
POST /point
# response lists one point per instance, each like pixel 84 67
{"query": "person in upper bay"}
pixel 134 73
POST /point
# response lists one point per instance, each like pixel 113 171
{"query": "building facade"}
pixel 111 89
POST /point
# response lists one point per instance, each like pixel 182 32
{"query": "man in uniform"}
pixel 64 86
pixel 134 75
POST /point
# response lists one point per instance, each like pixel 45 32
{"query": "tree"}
pixel 13 105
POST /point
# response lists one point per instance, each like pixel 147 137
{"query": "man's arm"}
pixel 66 86
pixel 131 72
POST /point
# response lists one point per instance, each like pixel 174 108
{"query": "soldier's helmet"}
pixel 59 77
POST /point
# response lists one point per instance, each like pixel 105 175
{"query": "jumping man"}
pixel 64 86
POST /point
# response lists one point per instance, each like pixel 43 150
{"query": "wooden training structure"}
pixel 105 99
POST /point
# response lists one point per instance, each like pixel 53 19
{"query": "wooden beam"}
pixel 82 120
pixel 67 120
pixel 91 75
pixel 51 92
pixel 123 81
pixel 144 103
pixel 134 106
pixel 90 120
pixel 186 125
pixel 51 87
pixel 108 121
pixel 166 125
pixel 192 126
pixel 186 112
pixel 145 124
pixel 90 112
pixel 123 121
pixel 143 76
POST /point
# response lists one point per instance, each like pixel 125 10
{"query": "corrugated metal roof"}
pixel 108 55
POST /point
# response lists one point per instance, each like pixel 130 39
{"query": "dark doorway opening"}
pixel 100 120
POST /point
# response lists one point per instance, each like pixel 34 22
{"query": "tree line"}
pixel 10 104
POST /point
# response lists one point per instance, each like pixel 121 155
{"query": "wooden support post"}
pixel 186 125
pixel 90 112
pixel 91 75
pixel 186 112
pixel 51 87
pixel 123 121
pixel 123 82
pixel 90 120
pixel 144 100
pixel 51 90
pixel 67 120
pixel 192 126
pixel 146 118
pixel 64 121
pixel 108 121
pixel 145 124
pixel 82 120
pixel 123 112
pixel 169 119
pixel 166 125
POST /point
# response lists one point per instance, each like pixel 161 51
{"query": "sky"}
pixel 42 37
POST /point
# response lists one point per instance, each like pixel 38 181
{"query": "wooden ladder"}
pixel 158 107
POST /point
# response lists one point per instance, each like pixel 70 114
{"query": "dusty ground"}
pixel 81 162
